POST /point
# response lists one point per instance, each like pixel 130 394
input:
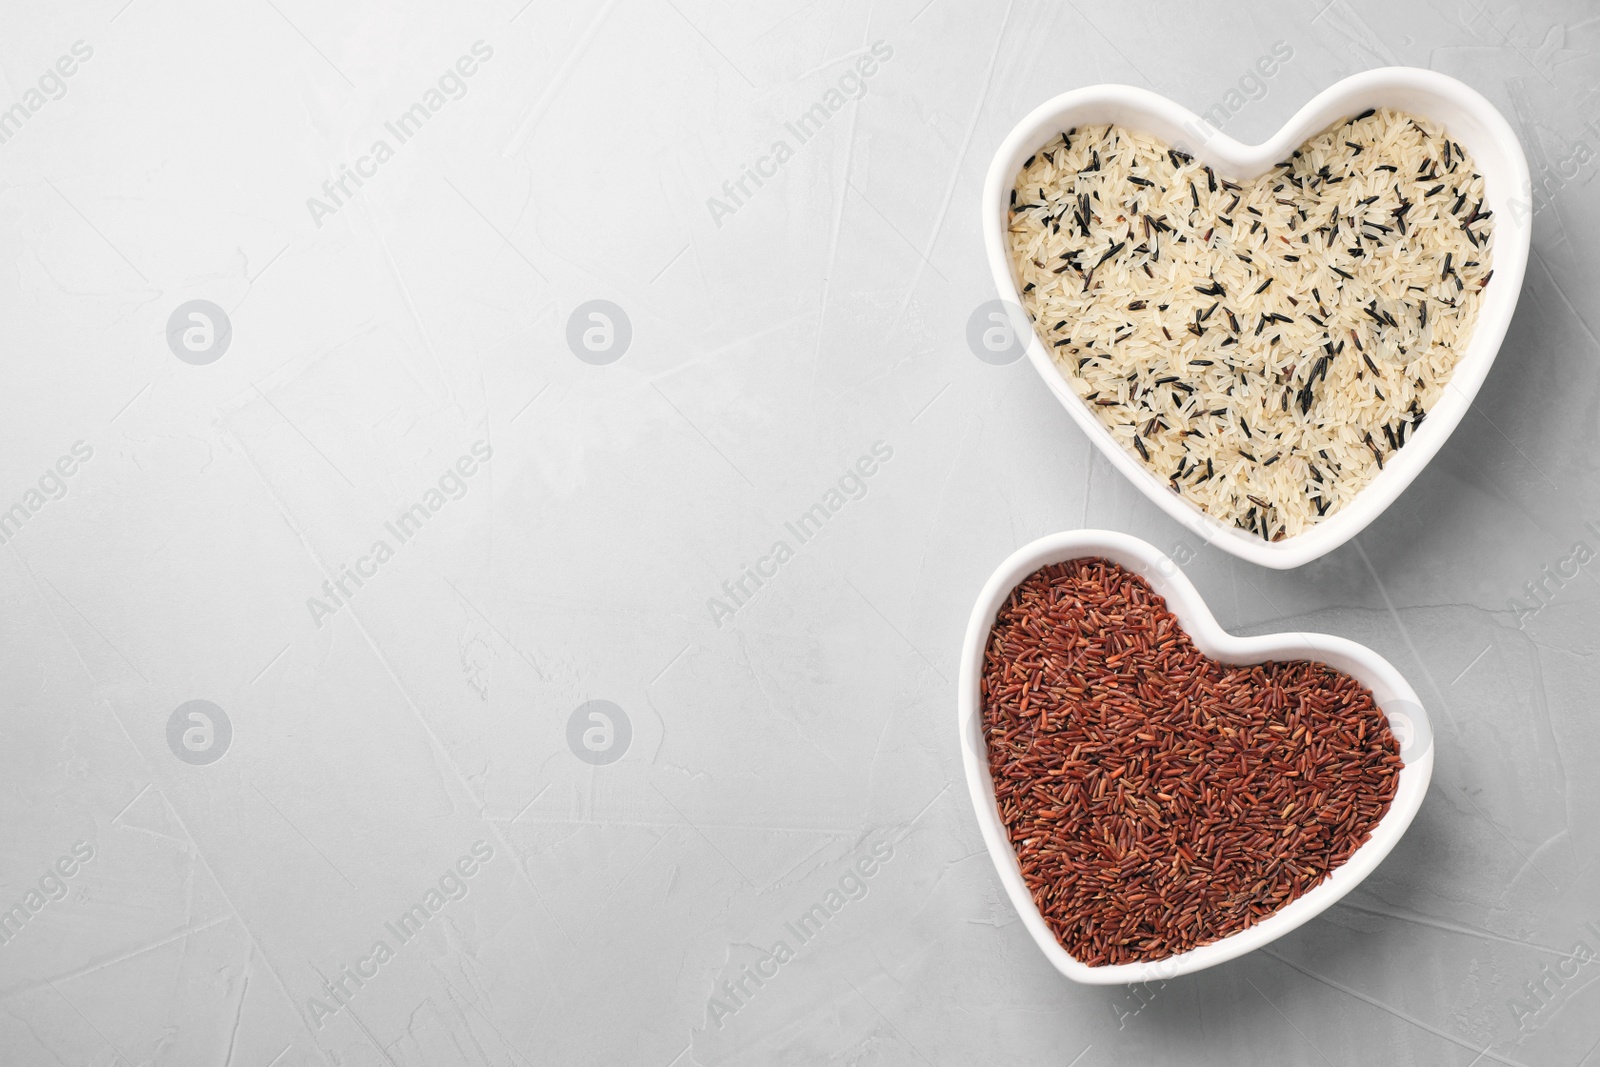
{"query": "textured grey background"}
pixel 771 347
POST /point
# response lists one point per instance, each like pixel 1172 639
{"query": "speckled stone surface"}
pixel 476 502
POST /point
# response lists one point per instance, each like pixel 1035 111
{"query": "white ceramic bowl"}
pixel 1466 116
pixel 1397 699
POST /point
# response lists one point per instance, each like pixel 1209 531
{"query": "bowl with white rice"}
pixel 1271 341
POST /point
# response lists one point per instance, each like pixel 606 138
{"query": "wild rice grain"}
pixel 1407 294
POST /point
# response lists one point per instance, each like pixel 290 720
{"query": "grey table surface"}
pixel 396 832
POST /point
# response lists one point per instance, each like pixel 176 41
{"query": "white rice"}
pixel 1266 423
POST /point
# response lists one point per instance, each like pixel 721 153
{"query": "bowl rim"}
pixel 1393 694
pixel 1468 117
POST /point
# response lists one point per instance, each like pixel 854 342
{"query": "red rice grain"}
pixel 1158 800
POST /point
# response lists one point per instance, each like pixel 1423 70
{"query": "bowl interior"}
pixel 1393 695
pixel 1467 117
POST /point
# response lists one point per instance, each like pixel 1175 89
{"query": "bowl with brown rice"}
pixel 1160 796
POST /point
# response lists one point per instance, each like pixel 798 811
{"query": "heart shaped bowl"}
pixel 1466 117
pixel 1407 720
